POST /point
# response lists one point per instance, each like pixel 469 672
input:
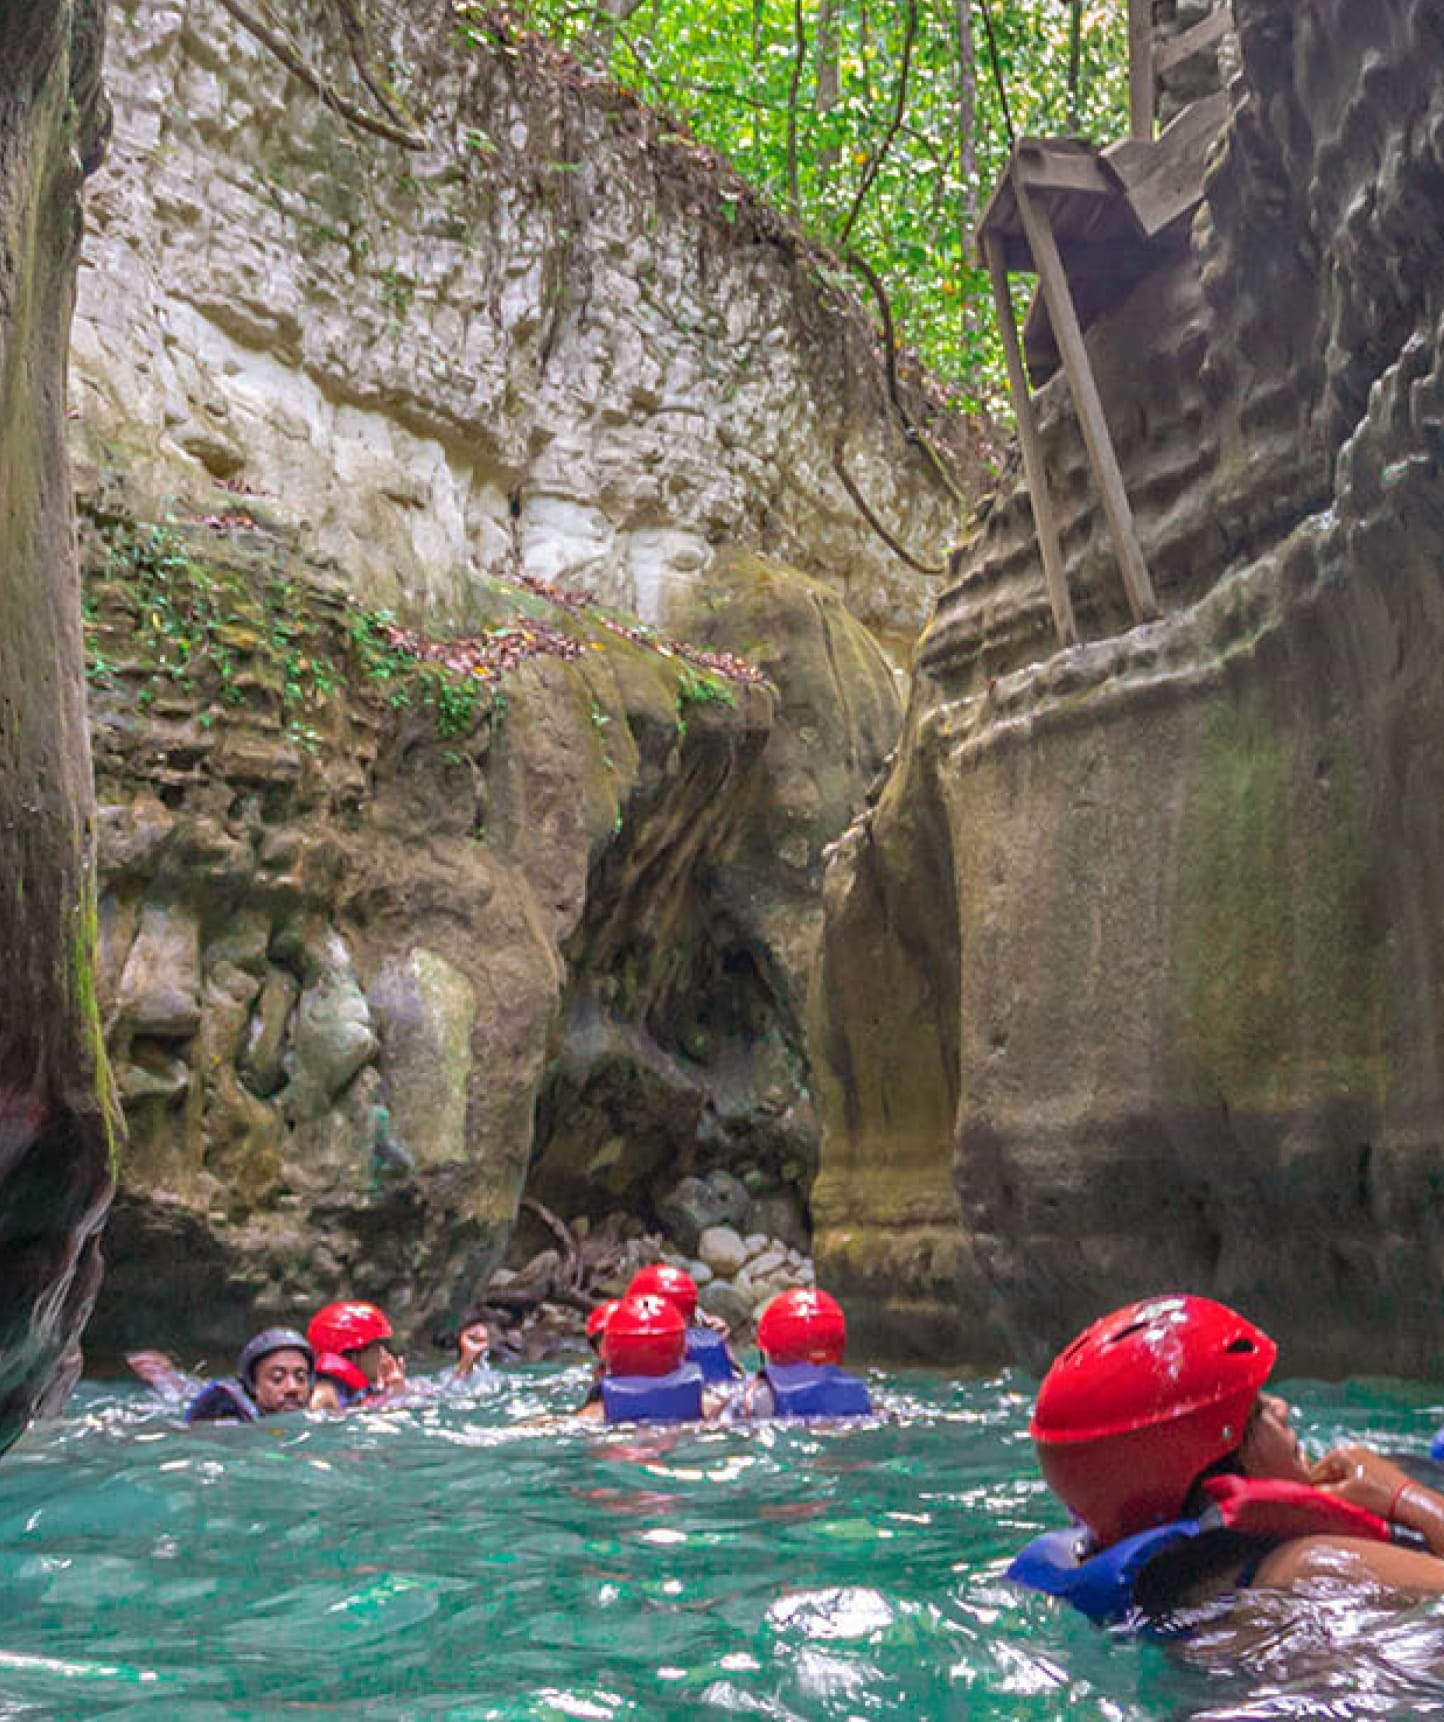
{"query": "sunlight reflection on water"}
pixel 448 1560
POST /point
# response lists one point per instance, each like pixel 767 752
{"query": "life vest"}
pixel 816 1390
pixel 674 1398
pixel 350 1382
pixel 223 1401
pixel 1436 1447
pixel 708 1350
pixel 1102 1585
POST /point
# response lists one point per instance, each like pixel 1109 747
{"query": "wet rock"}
pixel 160 987
pixel 261 1064
pixel 695 1204
pixel 426 1009
pixel 721 1298
pixel 331 1037
pixel 782 1215
pixel 722 1251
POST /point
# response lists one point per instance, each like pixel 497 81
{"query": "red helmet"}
pixel 803 1326
pixel 331 1366
pixel 644 1336
pixel 347 1327
pixel 597 1321
pixel 1142 1402
pixel 674 1284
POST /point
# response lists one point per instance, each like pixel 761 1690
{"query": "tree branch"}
pixel 296 64
pixel 879 155
pixel 928 568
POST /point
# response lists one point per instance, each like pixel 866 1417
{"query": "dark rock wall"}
pixel 1193 868
pixel 55 1132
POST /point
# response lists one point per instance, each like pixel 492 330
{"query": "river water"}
pixel 450 1561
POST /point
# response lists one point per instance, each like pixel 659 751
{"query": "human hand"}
pixel 1361 1477
pixel 392 1374
pixel 473 1343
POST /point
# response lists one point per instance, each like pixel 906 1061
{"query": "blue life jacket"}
pixel 674 1398
pixel 816 1390
pixel 1268 1510
pixel 708 1350
pixel 1100 1585
pixel 224 1401
pixel 1436 1446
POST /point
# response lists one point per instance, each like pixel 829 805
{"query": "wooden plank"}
pixel 1140 67
pixel 1167 181
pixel 1091 417
pixel 1054 573
pixel 1193 41
pixel 1046 169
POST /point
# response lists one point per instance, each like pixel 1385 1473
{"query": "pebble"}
pixel 756 1242
pixel 770 1261
pixel 700 1272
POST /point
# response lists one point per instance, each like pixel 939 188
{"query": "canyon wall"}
pixel 437 864
pixel 57 1126
pixel 1131 976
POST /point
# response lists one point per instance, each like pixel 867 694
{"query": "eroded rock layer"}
pixel 55 1126
pixel 1158 916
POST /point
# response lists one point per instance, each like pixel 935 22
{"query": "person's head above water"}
pixel 1146 1400
pixel 802 1326
pixel 597 1322
pixel 662 1280
pixel 275 1369
pixel 354 1331
pixel 644 1335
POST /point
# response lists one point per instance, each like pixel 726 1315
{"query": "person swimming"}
pixel 596 1327
pixel 707 1342
pixel 273 1375
pixel 1187 1482
pixel 355 1364
pixel 646 1375
pixel 802 1336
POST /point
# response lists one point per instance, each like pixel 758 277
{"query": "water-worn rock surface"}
pixel 385 945
pixel 1131 977
pixel 56 1124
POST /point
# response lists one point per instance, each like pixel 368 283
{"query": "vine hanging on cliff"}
pixel 394 123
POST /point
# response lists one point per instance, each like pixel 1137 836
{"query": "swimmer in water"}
pixel 1187 1482
pixel 707 1336
pixel 355 1364
pixel 273 1375
pixel 646 1376
pixel 596 1327
pixel 802 1336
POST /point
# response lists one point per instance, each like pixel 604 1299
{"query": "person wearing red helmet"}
pixel 596 1327
pixel 354 1363
pixel 1186 1481
pixel 803 1337
pixel 707 1344
pixel 646 1376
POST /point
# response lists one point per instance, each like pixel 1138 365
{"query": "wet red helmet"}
pixel 1143 1401
pixel 347 1327
pixel 803 1326
pixel 597 1322
pixel 644 1336
pixel 674 1284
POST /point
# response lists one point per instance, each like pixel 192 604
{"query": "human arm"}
pixel 1367 1479
pixel 324 1397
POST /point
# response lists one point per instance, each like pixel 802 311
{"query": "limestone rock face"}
pixel 1130 977
pixel 559 340
pixel 385 948
pixel 57 1121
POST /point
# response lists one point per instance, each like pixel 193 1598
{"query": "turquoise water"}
pixel 446 1561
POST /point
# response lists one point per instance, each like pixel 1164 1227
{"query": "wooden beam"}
pixel 1140 67
pixel 1091 418
pixel 1193 41
pixel 1054 573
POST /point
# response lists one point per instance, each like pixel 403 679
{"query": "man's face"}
pixel 283 1381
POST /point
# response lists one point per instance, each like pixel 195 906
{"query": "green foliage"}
pixel 731 71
